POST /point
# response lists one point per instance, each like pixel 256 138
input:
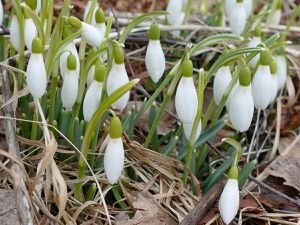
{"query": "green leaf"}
pixel 245 172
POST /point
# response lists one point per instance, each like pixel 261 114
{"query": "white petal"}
pixel 241 108
pixel 101 27
pixel 237 19
pixel 91 35
pixel 114 160
pixel 229 201
pixel 69 89
pixel 281 70
pixel 274 86
pixel 117 78
pixel 1 13
pixel 229 4
pixel 92 100
pixel 38 6
pixel 155 60
pixel 187 128
pixel 254 42
pixel 90 77
pixel 230 95
pixel 36 75
pixel 63 60
pixel 15 33
pixel 221 82
pixel 186 100
pixel 174 8
pixel 248 7
pixel 86 11
pixel 30 33
pixel 261 89
pixel 275 18
pixel 179 21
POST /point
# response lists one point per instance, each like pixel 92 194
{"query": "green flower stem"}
pixel 91 127
pixel 164 104
pixel 239 150
pixel 94 145
pixel 34 127
pixel 200 93
pixel 49 21
pixel 53 92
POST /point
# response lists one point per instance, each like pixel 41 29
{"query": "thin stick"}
pixel 253 136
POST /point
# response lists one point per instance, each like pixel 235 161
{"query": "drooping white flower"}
pixel 221 82
pixel 187 128
pixel 248 5
pixel 238 18
pixel 254 42
pixel 228 5
pixel 274 81
pixel 155 58
pixel 100 21
pixel 30 32
pixel 262 91
pixel 93 95
pixel 1 13
pixel 117 78
pixel 114 155
pixel 36 76
pixel 69 89
pixel 186 100
pixel 179 21
pixel 90 76
pixel 86 12
pixel 15 33
pixel 281 70
pixel 241 102
pixel 230 198
pixel 174 9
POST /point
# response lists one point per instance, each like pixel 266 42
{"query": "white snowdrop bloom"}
pixel 100 21
pixel 187 128
pixel 281 70
pixel 36 76
pixel 275 18
pixel 69 89
pixel 241 103
pixel 38 6
pixel 186 100
pixel 179 21
pixel 229 4
pixel 274 81
pixel 174 8
pixel 93 95
pixel 90 76
pixel 117 78
pixel 248 5
pixel 114 154
pixel 1 13
pixel 184 3
pixel 30 32
pixel 238 18
pixel 221 82
pixel 86 12
pixel 155 58
pixel 15 33
pixel 230 95
pixel 230 198
pixel 262 91
pixel 254 42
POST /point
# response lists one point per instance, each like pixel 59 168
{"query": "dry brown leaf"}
pixel 289 165
pixel 147 211
pixel 8 208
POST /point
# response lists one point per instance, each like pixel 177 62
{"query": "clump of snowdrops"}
pixel 76 70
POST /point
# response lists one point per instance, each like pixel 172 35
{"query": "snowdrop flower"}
pixel 179 21
pixel 93 95
pixel 254 42
pixel 100 21
pixel 15 33
pixel 90 76
pixel 36 76
pixel 35 5
pixel 89 33
pixel 187 128
pixel 1 13
pixel 281 68
pixel 221 82
pixel 238 17
pixel 228 5
pixel 174 8
pixel 275 15
pixel 230 197
pixel 262 91
pixel 186 100
pixel 155 58
pixel 67 51
pixel 117 78
pixel 38 6
pixel 248 5
pixel 274 83
pixel 241 103
pixel 114 155
pixel 69 89
pixel 86 12
pixel 30 31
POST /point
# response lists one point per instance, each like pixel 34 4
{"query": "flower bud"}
pixel 281 70
pixel 174 9
pixel 15 33
pixel 114 155
pixel 221 82
pixel 238 18
pixel 30 32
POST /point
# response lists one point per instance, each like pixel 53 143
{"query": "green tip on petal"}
pixel 154 32
pixel 100 16
pixel 279 5
pixel 239 1
pixel 233 173
pixel 273 67
pixel 257 32
pixel 265 57
pixel 245 76
pixel 32 4
pixel 115 129
pixel 100 71
pixel 71 62
pixel 37 46
pixel 74 22
pixel 118 55
pixel 187 68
